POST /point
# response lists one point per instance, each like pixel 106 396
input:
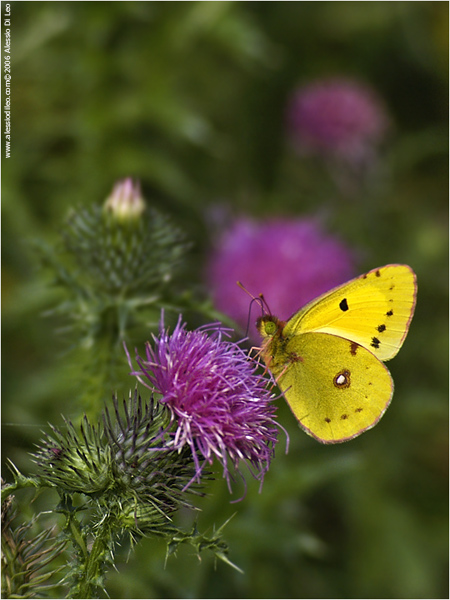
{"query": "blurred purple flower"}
pixel 220 403
pixel 337 118
pixel 291 261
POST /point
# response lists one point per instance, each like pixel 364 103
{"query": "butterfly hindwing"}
pixel 336 388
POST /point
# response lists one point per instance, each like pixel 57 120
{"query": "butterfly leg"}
pixel 293 357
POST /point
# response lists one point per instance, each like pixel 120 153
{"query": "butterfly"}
pixel 327 359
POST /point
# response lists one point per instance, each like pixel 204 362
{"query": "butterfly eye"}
pixel 267 326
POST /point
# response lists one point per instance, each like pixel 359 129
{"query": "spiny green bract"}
pixel 127 463
pixel 123 257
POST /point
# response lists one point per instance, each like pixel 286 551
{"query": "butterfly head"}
pixel 269 326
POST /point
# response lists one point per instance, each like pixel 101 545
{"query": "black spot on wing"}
pixel 375 343
pixel 343 305
pixel 381 328
pixel 390 313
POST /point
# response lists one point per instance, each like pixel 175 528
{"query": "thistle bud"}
pixel 28 570
pixel 75 462
pixel 125 201
pixel 123 248
pixel 129 461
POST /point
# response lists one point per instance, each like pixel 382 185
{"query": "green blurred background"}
pixel 190 98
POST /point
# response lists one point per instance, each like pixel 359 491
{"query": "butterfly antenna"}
pixel 259 299
pixel 250 306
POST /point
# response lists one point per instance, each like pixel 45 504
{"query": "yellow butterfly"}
pixel 327 358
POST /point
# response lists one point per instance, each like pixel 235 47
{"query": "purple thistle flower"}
pixel 337 118
pixel 219 402
pixel 291 261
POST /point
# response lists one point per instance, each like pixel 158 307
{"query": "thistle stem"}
pixel 92 559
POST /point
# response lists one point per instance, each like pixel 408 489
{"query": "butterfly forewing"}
pixel 373 310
